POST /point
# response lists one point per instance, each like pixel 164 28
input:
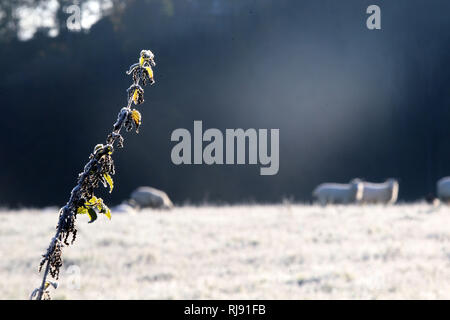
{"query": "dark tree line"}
pixel 349 102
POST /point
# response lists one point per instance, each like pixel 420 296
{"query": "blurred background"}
pixel 349 102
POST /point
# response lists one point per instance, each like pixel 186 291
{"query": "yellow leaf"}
pixel 107 212
pixel 98 147
pixel 92 201
pixel 135 96
pixel 99 204
pixel 110 181
pixel 82 210
pixel 136 116
pixel 150 72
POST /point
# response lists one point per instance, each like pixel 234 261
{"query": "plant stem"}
pixel 44 279
pixel 74 196
pixel 84 189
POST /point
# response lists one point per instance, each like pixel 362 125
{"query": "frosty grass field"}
pixel 238 252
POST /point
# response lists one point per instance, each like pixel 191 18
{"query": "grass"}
pixel 238 252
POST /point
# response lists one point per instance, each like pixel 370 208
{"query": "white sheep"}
pixel 443 189
pixel 148 197
pixel 386 192
pixel 338 192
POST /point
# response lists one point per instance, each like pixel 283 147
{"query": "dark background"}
pixel 349 102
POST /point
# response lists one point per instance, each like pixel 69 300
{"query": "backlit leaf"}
pixel 82 210
pixel 135 96
pixel 93 206
pixel 99 204
pixel 92 201
pixel 106 211
pixel 150 72
pixel 110 181
pixel 136 117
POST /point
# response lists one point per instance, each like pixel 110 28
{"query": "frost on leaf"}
pixel 133 118
pixel 148 76
pixel 136 117
pixel 98 147
pixel 92 207
pixel 98 170
pixel 136 94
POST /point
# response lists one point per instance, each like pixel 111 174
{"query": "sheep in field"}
pixel 386 192
pixel 443 189
pixel 338 193
pixel 148 197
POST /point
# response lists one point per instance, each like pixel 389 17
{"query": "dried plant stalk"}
pixel 98 170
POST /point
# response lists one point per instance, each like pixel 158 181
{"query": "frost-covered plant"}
pixel 98 170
